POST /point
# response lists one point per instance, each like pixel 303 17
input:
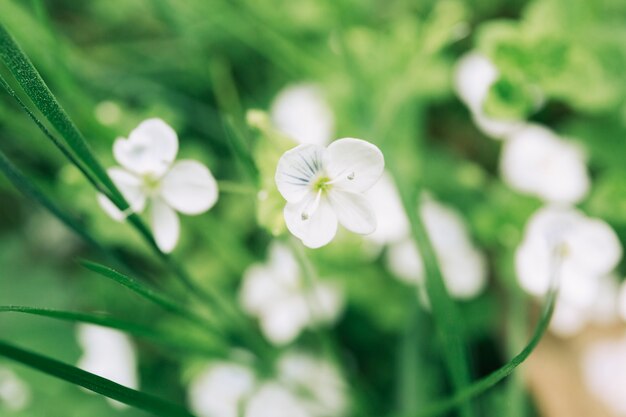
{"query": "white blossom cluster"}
pixel 538 162
pixel 302 386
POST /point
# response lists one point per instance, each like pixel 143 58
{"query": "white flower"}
pixel 275 400
pixel 474 76
pixel 462 265
pixel 14 393
pixel 301 386
pixel 393 224
pixel 604 372
pixel 108 353
pixel 284 303
pixel 588 250
pixel 536 161
pixel 301 112
pixel 322 387
pixel 325 185
pixel 149 176
pixel 221 390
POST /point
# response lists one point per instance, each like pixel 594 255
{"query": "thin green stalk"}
pixel 60 146
pixel 441 406
pixel 161 300
pixel 310 279
pixel 445 311
pixel 139 330
pixel 92 382
pixel 408 367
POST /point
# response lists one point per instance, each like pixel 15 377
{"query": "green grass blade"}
pixel 148 293
pixel 103 386
pixel 36 89
pixel 27 188
pixel 66 152
pixel 134 329
pixel 441 406
pixel 445 311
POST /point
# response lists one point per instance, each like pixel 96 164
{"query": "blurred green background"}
pixel 386 68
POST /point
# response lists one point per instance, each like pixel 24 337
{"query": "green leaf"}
pixel 110 389
pixel 105 320
pixel 26 187
pixel 148 293
pixel 36 89
pixel 439 407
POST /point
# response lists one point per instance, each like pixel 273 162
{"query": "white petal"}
pixel 301 112
pixel 474 75
pixel 110 208
pixel 353 211
pixel 165 225
pixel 296 169
pixel 108 353
pixel 221 389
pixel 392 221
pixel 405 262
pixel 354 164
pixel 282 322
pixel 538 162
pixel 189 187
pixel 316 231
pixel 150 148
pixel 274 400
pixel 131 188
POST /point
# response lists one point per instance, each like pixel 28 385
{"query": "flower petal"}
pixel 189 187
pixel 316 231
pixel 150 148
pixel 353 164
pixel 296 169
pixel 353 211
pixel 282 322
pixel 131 188
pixel 165 225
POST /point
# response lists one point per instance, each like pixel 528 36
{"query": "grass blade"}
pixel 441 406
pixel 36 89
pixel 103 386
pixel 148 293
pixel 105 320
pixel 445 311
pixel 27 188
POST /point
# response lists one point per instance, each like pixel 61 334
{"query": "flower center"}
pixel 151 183
pixel 323 183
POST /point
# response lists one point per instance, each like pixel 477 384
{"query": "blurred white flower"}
pixel 302 386
pixel 14 393
pixel 301 112
pixel 221 390
pixel 322 387
pixel 474 76
pixel 148 174
pixel 536 161
pixel 463 266
pixel 324 186
pixel 587 249
pixel 284 303
pixel 604 372
pixel 393 224
pixel 108 353
pixel 275 400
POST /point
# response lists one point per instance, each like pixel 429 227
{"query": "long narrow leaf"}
pixel 134 329
pixel 441 406
pixel 36 89
pixel 148 293
pixel 27 188
pixel 66 152
pixel 445 311
pixel 95 383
